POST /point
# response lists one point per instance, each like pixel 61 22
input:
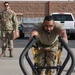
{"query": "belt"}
pixel 40 44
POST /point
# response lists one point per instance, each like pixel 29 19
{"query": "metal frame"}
pixel 61 68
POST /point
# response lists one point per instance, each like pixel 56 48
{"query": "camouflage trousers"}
pixel 7 40
pixel 47 58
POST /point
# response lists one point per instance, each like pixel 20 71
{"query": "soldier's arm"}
pixel 15 21
pixel 0 20
pixel 62 31
pixel 64 35
pixel 33 33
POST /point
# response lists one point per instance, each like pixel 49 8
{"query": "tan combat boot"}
pixel 11 53
pixel 3 53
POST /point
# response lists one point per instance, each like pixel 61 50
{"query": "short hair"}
pixel 48 18
pixel 6 2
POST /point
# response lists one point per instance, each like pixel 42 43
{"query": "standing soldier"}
pixel 9 23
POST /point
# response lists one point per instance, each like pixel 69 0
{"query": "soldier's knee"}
pixel 10 49
pixel 50 72
pixel 3 47
pixel 41 71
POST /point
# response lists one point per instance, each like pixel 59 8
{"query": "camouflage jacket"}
pixel 8 20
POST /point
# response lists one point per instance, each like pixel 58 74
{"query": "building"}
pixel 38 9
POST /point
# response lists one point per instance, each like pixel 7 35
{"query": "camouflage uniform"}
pixel 9 23
pixel 46 41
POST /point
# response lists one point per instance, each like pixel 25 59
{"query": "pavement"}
pixel 10 65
